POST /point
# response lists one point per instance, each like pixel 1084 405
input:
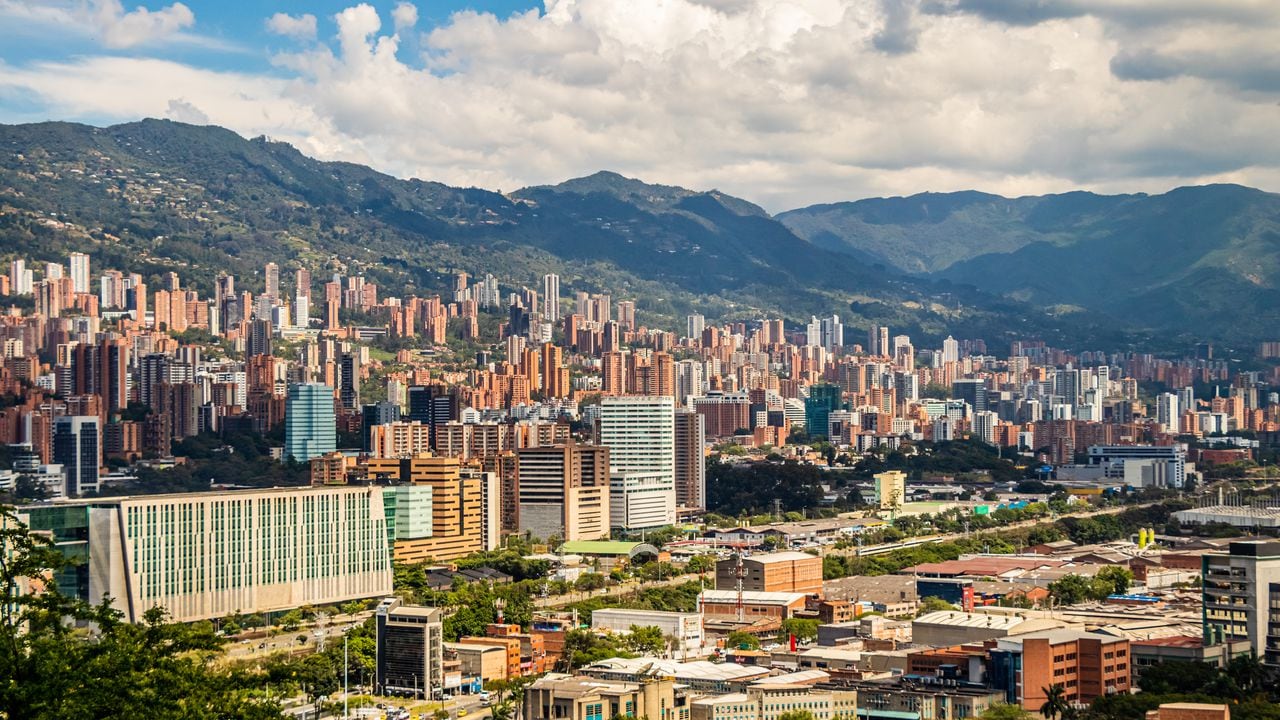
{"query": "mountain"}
pixel 1199 259
pixel 155 195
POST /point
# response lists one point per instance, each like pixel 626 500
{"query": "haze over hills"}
pixel 1195 257
pixel 156 195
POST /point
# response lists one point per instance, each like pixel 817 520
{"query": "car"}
pixel 462 712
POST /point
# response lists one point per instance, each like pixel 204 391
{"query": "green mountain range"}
pixel 1199 259
pixel 155 196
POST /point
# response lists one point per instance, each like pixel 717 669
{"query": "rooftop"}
pixel 752 597
pixel 693 670
pixel 606 547
pixel 781 557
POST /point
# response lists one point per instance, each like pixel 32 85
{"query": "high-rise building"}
pixel 1167 412
pixel 691 468
pixel 409 650
pixel 551 298
pixel 271 275
pixel 380 413
pixel 818 406
pixel 973 392
pixel 310 427
pixel 696 324
pixel 77 447
pixel 563 491
pixel 640 435
pixel 832 333
pixel 1241 589
pixel 80 272
pixel 349 381
pixel 950 350
pixel 465 506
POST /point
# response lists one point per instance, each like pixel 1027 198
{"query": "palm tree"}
pixel 1055 703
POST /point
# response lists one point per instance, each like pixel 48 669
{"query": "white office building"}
pixel 641 500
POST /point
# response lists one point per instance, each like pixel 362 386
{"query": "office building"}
pixel 77 447
pixel 349 381
pixel 211 554
pixel 465 506
pixel 691 466
pixel 640 435
pixel 380 413
pixel 1143 465
pixel 781 572
pixel 563 491
pixel 818 406
pixel 1167 413
pixel 310 426
pixel 1241 590
pixel 973 392
pixel 410 650
pixel 640 500
pixel 724 414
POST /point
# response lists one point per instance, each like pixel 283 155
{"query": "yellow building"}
pixel 891 489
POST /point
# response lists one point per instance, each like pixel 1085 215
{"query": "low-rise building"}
pixel 769 701
pixel 564 697
pixel 683 630
pixel 410 650
pixel 772 572
pixel 749 605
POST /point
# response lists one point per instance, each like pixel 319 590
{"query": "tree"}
pixel 742 641
pixel 934 604
pixel 804 629
pixel 796 715
pixel 647 640
pixel 700 564
pixel 291 620
pixel 1001 711
pixel 587 582
pixel 1055 703
pixel 1070 589
pixel 51 667
pixel 1119 579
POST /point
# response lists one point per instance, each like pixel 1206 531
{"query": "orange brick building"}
pixel 774 572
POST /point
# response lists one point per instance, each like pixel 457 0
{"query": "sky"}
pixel 783 102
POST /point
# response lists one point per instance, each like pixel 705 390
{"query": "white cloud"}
pixel 784 102
pixel 302 27
pixel 119 29
pixel 405 16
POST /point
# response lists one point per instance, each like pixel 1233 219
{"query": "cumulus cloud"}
pixel 405 16
pixel 120 29
pixel 785 102
pixel 302 27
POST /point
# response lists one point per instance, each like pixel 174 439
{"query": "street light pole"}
pixel 346 685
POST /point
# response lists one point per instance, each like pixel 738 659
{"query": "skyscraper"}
pixel 310 426
pixel 640 435
pixel 77 447
pixel 973 392
pixel 80 272
pixel 271 274
pixel 696 324
pixel 1167 412
pixel 818 406
pixel 349 382
pixel 550 298
pixel 691 469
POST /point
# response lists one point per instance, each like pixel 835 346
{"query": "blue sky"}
pixel 783 102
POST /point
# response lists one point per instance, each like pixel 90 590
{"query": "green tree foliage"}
pixel 804 629
pixel 739 640
pixel 1055 704
pixel 646 640
pixel 1002 711
pixel 752 487
pixel 1119 578
pixel 670 598
pixel 52 666
pixel 934 604
pixel 796 715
